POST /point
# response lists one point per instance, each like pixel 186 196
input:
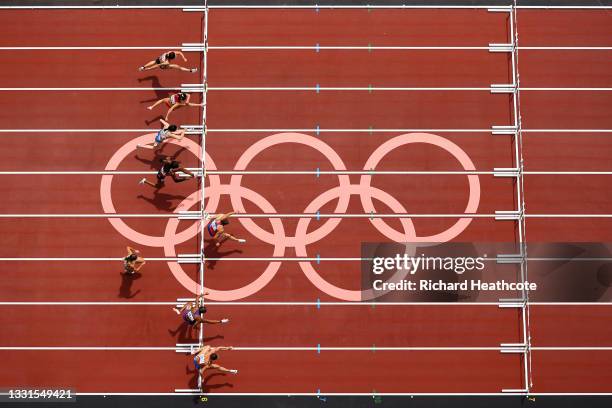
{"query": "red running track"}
pixel 286 326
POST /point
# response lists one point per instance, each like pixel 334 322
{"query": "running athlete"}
pixel 216 229
pixel 163 62
pixel 192 313
pixel 132 262
pixel 174 101
pixel 168 131
pixel 204 358
pixel 170 168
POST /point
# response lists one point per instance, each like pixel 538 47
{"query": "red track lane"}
pixel 358 110
pixel 58 238
pixel 79 28
pixel 97 371
pixel 588 28
pixel 75 194
pixel 358 68
pixel 566 110
pixel 566 151
pixel 102 110
pixel 569 194
pixel 96 68
pixel 486 152
pixel 357 27
pixel 589 69
pixel 79 240
pixel 79 194
pixel 564 230
pixel 574 326
pixel 268 371
pixel 571 371
pixel 89 281
pixel 56 152
pixel 264 326
pixel 338 371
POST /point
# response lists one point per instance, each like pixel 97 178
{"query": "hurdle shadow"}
pixel 125 290
pixel 213 251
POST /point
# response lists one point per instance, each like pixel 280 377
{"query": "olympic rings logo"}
pixel 302 237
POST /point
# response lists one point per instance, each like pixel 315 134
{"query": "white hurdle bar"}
pixel 500 47
pixel 503 88
pixel 509 258
pixel 511 303
pixel 193 47
pixel 192 88
pixel 513 215
pixel 186 347
pixel 505 172
pixel 504 130
pixel 189 258
pixel 189 215
pixel 192 129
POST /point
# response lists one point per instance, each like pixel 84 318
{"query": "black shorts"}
pixel 160 176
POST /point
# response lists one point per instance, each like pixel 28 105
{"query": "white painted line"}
pixel 280 259
pixel 258 172
pixel 335 394
pixel 567 89
pixel 82 173
pixel 342 89
pixel 87 259
pixel 306 130
pixel 342 48
pixel 112 48
pixel 569 48
pixel 311 304
pixel 499 214
pixel 169 215
pixel 315 348
pixel 100 89
pixel 298 215
pixel 296 7
pixel 196 89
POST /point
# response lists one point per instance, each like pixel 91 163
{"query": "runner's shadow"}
pixel 162 201
pixel 183 333
pixel 154 163
pixel 125 290
pixel 213 251
pixel 206 387
pixel 155 119
pixel 193 382
pixel 159 94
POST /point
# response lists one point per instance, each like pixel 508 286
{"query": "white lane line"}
pixel 309 304
pixel 304 172
pixel 305 130
pixel 307 348
pixel 307 215
pixel 292 88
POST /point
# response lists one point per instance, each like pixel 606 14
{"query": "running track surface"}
pixel 294 326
